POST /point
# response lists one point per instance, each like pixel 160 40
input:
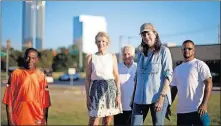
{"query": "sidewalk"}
pixel 216 89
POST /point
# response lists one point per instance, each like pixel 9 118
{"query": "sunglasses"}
pixel 187 49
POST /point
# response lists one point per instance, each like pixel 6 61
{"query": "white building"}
pixel 85 29
pixel 170 44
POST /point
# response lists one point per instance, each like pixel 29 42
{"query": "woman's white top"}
pixel 102 67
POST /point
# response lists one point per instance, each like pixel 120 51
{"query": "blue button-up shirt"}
pixel 151 76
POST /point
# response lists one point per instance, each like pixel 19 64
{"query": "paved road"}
pixel 75 83
pixel 81 83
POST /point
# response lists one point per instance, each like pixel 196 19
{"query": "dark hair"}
pixel 188 41
pixel 157 45
pixel 29 50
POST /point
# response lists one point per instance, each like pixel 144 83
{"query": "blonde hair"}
pixel 102 34
pixel 130 47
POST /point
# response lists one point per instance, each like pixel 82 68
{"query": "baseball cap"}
pixel 146 27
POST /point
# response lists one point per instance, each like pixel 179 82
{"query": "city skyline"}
pixel 175 21
pixel 33 24
pixel 40 25
pixel 27 24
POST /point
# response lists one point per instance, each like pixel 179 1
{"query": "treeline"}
pixel 57 61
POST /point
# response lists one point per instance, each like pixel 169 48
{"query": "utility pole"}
pixel 7 58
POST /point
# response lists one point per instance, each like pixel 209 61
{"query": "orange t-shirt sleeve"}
pixel 46 100
pixel 8 96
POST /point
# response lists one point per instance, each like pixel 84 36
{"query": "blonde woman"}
pixel 102 83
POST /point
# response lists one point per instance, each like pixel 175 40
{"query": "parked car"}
pixel 67 77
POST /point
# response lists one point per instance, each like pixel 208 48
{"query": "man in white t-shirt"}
pixel 127 71
pixel 192 82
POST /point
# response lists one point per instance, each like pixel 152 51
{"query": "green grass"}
pixel 3 75
pixel 82 74
pixel 69 108
pixel 56 75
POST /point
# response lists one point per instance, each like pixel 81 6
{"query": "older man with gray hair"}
pixel 127 70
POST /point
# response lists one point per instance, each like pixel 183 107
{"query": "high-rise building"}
pixel 27 23
pixel 85 29
pixel 40 15
pixel 33 24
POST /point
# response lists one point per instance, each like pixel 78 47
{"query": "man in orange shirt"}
pixel 26 96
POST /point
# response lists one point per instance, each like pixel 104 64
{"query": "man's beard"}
pixel 186 57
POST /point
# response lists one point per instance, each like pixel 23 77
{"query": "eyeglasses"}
pixel 187 49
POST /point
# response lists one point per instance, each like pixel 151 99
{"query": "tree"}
pixel 15 57
pixel 65 59
pixel 45 59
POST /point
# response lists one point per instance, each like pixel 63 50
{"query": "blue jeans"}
pixel 140 112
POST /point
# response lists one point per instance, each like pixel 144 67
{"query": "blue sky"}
pixel 174 21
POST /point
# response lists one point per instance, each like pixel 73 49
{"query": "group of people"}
pixel 128 90
pixel 124 91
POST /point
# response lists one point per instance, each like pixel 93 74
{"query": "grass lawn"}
pixel 3 76
pixel 69 108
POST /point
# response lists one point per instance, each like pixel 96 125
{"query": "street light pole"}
pixel 7 58
pixel 120 44
pixel 129 38
pixel 80 53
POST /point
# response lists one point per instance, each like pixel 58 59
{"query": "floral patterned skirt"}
pixel 103 99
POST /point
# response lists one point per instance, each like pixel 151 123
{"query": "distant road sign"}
pixel 74 52
pixel 71 70
pixel 3 54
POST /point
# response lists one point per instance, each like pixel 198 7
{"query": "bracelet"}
pixel 118 93
pixel 163 95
